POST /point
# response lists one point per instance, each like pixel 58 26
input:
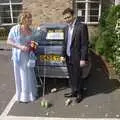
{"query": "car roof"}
pixel 53 25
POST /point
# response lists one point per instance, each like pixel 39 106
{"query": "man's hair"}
pixel 68 10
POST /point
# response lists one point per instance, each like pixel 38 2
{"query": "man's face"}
pixel 68 18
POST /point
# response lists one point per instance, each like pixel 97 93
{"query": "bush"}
pixel 108 42
pixel 3 33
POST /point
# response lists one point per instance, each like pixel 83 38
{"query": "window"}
pixel 9 11
pixel 4 1
pixel 88 10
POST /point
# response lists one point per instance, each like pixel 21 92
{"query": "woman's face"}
pixel 29 20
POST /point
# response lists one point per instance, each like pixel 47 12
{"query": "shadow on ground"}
pixel 51 83
pixel 101 99
pixel 97 82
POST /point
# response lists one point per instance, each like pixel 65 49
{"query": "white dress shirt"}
pixel 70 32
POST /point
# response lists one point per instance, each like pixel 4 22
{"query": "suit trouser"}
pixel 75 80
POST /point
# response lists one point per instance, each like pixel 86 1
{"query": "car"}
pixel 49 51
pixel 51 42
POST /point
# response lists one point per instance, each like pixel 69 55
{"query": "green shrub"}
pixel 3 33
pixel 93 41
pixel 108 42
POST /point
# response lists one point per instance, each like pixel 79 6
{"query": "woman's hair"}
pixel 23 17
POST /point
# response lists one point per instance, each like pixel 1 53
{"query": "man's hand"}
pixel 62 59
pixel 83 63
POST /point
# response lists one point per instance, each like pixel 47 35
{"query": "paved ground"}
pixel 6 80
pixel 4 46
pixel 101 100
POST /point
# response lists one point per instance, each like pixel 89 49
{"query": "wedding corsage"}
pixel 32 45
pixel 32 58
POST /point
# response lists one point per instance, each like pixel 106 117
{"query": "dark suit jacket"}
pixel 79 44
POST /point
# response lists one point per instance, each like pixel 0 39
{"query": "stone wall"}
pixel 46 10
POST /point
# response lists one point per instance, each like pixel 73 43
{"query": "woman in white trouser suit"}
pixel 25 79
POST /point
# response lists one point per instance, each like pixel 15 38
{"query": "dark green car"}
pixel 50 49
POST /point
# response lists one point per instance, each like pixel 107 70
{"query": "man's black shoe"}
pixel 74 94
pixel 78 98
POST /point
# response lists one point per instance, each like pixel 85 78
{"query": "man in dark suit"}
pixel 76 52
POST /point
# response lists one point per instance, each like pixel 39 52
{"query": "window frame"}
pixel 10 3
pixel 87 2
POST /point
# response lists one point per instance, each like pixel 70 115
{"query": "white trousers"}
pixel 25 80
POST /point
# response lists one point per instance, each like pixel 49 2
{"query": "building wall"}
pixel 51 11
pixel 46 10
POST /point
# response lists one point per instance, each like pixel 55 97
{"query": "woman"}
pixel 19 37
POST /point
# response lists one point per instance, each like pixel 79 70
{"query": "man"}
pixel 76 52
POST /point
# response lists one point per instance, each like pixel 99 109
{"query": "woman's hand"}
pixel 21 47
pixel 24 48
